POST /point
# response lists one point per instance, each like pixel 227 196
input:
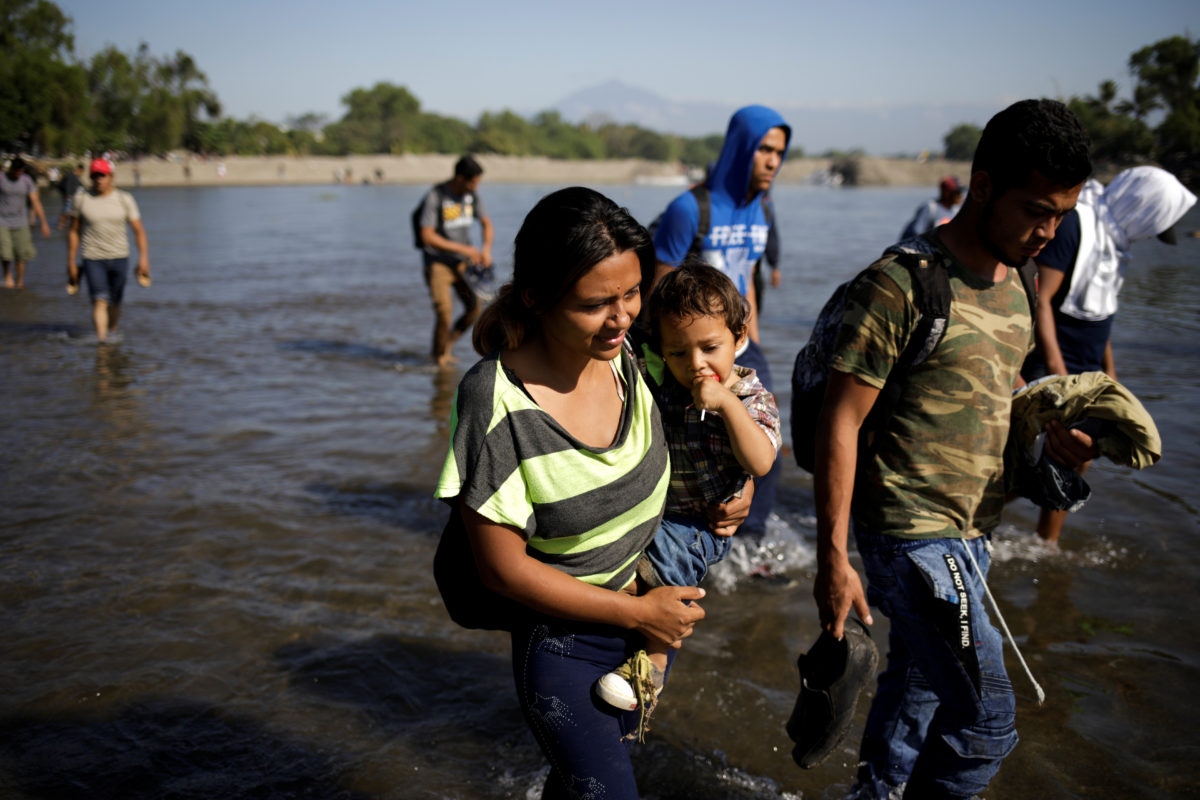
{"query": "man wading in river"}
pixel 930 489
pixel 98 219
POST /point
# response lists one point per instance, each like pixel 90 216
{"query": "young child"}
pixel 722 427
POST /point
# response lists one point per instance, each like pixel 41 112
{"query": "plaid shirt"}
pixel 704 470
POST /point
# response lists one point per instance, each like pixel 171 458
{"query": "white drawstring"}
pixel 1041 694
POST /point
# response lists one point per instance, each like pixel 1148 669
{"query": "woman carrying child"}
pixel 558 466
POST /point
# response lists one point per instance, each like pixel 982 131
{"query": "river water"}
pixel 215 536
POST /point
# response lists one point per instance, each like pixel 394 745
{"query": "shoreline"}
pixel 432 168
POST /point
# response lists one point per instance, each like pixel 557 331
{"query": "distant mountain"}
pixel 878 131
pixel 625 104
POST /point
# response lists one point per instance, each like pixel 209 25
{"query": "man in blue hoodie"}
pixel 755 145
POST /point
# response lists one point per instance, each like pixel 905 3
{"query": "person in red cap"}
pixel 936 212
pixel 98 220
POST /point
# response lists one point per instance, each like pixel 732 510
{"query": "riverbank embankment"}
pixel 423 169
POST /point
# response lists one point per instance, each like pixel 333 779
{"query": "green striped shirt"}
pixel 586 511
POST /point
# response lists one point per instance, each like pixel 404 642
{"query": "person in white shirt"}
pixel 98 231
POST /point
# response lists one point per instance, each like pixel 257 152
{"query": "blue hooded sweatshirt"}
pixel 738 228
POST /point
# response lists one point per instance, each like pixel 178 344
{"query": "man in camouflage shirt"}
pixel 931 484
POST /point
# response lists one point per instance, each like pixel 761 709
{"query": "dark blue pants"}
pixel 555 665
pixel 766 486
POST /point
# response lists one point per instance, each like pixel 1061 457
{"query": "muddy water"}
pixel 215 536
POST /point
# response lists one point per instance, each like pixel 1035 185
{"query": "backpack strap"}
pixel 704 204
pixel 931 296
pixel 1029 280
pixel 439 191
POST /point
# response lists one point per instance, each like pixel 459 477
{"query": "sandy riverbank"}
pixel 423 169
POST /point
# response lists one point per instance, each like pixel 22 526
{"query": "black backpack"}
pixel 810 373
pixel 416 216
pixel 467 600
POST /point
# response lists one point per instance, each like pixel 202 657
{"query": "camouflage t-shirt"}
pixel 937 468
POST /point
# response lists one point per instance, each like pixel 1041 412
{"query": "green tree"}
pixel 305 143
pixel 170 106
pixel 1167 73
pixel 37 75
pixel 68 129
pixel 145 104
pixel 382 119
pixel 1117 138
pixel 115 84
pixel 631 141
pixel 558 139
pixel 961 141
pixel 704 151
pixel 438 134
pixel 310 121
pixel 504 134
pixel 186 92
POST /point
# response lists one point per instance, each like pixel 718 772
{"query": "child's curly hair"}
pixel 696 289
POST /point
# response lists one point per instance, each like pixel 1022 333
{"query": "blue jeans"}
pixel 766 486
pixel 944 713
pixel 106 278
pixel 555 664
pixel 683 549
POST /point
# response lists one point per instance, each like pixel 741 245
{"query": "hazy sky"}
pixel 274 59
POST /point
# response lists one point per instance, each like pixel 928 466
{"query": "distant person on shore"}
pixel 1081 272
pixel 924 497
pixel 697 321
pixel 69 186
pixel 98 232
pixel 938 211
pixel 447 214
pixel 558 470
pixel 752 154
pixel 18 198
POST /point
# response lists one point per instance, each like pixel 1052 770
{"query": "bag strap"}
pixel 1028 273
pixel 704 205
pixel 931 296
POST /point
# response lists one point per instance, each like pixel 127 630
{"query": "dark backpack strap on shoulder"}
pixel 1028 273
pixel 1029 280
pixel 704 204
pixel 931 296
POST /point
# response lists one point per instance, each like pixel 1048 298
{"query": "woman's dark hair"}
pixel 696 289
pixel 564 236
pixel 1030 136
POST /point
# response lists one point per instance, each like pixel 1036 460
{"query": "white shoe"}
pixel 616 691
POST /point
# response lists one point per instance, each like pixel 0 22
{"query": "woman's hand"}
pixel 663 614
